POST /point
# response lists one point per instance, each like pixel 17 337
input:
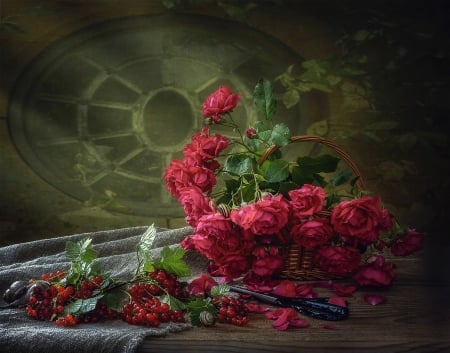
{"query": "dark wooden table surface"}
pixel 415 318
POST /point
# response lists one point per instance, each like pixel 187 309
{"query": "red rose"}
pixel 376 273
pixel 232 266
pixel 219 240
pixel 266 216
pixel 205 148
pixel 195 204
pixel 337 260
pixel 312 233
pixel 409 243
pixel 307 200
pixel 176 176
pixel 267 266
pixel 268 260
pixel 220 102
pixel 180 174
pixel 360 218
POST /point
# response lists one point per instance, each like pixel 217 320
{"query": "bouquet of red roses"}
pixel 248 205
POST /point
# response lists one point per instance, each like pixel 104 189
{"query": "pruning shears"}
pixel 317 308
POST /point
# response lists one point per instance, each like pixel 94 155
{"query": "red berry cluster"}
pixel 53 276
pixel 167 283
pixel 231 310
pixel 42 304
pixel 146 309
pixel 88 286
pixel 47 303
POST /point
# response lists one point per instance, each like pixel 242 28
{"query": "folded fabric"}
pixel 117 254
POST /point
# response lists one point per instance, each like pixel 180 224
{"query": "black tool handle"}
pixel 316 309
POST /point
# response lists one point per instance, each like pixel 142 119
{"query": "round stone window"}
pixel 100 114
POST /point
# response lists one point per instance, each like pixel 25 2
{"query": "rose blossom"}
pixel 337 260
pixel 220 102
pixel 376 273
pixel 232 266
pixel 409 243
pixel 307 200
pixel 204 148
pixel 181 173
pixel 312 233
pixel 267 266
pixel 266 216
pixel 359 218
pixel 195 204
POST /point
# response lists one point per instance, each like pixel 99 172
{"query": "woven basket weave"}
pixel 298 263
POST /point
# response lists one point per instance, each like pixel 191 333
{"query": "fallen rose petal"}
pixel 343 290
pixel 283 326
pixel 286 289
pixel 285 318
pixel 329 326
pixel 374 299
pixel 337 301
pixel 256 308
pixel 305 291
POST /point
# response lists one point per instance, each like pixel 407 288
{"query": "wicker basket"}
pixel 299 262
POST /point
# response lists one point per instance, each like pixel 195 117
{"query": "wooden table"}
pixel 415 319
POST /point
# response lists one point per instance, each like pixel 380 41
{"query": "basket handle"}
pixel 323 140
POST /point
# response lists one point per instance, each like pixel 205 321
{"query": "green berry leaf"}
pixel 174 303
pixel 196 306
pixel 172 261
pixel 81 306
pixel 144 248
pixel 81 251
pixel 116 298
pixel 220 289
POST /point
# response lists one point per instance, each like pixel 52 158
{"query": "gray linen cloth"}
pixel 117 254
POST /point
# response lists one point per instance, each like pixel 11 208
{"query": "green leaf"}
pixel 220 289
pixel 238 164
pixel 174 303
pixel 341 177
pixel 275 171
pixel 115 299
pixel 145 244
pixel 196 306
pixel 285 187
pixel 247 192
pixel 323 163
pixel 264 98
pixel 280 135
pixel 81 306
pixel 172 261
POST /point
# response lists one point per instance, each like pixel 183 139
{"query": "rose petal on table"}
pixel 337 301
pixel 256 308
pixel 286 289
pixel 329 326
pixel 374 299
pixel 343 290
